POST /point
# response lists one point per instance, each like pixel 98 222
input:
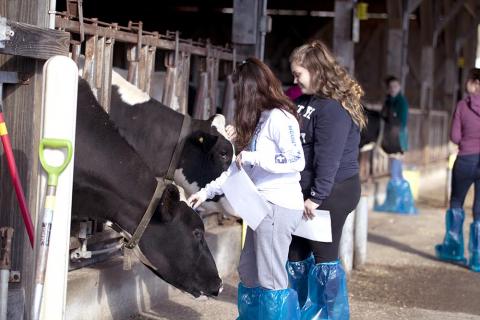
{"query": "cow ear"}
pixel 218 122
pixel 168 202
pixel 204 140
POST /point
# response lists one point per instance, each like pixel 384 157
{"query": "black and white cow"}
pixel 152 129
pixel 112 182
pixel 390 139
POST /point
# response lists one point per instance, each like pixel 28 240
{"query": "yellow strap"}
pixel 3 129
pixel 50 202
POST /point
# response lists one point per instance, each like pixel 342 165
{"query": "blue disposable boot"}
pixel 263 304
pixel 298 277
pixel 399 198
pixel 452 247
pixel 327 293
pixel 474 246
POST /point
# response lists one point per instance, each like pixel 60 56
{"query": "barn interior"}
pixel 430 45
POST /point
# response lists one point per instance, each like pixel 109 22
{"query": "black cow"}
pixel 111 182
pixel 390 141
pixel 152 129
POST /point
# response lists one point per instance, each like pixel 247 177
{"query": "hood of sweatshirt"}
pixel 473 102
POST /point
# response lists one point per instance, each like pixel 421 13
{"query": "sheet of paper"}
pixel 245 198
pixel 317 229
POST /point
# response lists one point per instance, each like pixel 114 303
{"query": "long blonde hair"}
pixel 329 79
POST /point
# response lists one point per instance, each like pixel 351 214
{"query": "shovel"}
pixel 53 174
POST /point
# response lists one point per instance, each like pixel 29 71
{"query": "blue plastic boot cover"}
pixel 474 246
pixel 396 171
pixel 263 304
pixel 452 247
pixel 298 277
pixel 399 198
pixel 327 293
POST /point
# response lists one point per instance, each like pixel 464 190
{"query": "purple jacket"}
pixel 466 125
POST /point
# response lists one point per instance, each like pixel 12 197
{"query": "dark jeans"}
pixel 342 200
pixel 466 171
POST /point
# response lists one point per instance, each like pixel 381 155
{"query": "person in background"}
pixel 399 198
pixel 465 133
pixel 331 119
pixel 267 133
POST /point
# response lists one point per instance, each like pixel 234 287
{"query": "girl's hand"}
pixel 196 199
pixel 239 161
pixel 231 132
pixel 309 209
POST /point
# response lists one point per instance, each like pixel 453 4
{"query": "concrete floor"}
pixel 401 280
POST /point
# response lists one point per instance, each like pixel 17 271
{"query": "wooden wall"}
pixel 22 110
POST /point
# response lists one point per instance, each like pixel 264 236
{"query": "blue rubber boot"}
pixel 452 247
pixel 474 246
pixel 263 304
pixel 327 293
pixel 298 277
pixel 399 198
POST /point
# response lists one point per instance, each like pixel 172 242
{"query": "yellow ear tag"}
pixel 200 139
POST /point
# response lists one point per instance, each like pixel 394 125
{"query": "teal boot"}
pixel 263 304
pixel 452 247
pixel 474 246
pixel 298 277
pixel 327 293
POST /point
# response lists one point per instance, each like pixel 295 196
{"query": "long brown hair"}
pixel 329 79
pixel 256 89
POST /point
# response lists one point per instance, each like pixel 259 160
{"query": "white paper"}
pixel 245 198
pixel 317 229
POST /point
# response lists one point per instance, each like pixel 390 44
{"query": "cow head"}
pixel 174 242
pixel 206 154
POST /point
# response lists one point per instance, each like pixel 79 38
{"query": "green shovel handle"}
pixel 54 172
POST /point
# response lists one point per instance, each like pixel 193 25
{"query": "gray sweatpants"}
pixel 265 253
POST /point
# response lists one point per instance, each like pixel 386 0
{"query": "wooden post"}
pixel 90 60
pixel 106 74
pixel 23 114
pixel 132 64
pixel 450 65
pixel 228 109
pixel 346 242
pixel 212 70
pixel 395 36
pixel 250 24
pixel 202 101
pixel 360 233
pixel 426 71
pixel 343 45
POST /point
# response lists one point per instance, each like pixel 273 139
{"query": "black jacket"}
pixel 330 141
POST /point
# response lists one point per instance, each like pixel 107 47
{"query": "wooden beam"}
pixel 132 38
pixel 452 13
pixel 413 5
pixel 30 41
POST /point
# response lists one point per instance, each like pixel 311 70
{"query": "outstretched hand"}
pixel 196 199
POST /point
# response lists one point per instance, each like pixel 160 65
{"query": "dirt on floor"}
pixel 401 280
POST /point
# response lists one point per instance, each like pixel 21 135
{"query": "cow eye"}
pixel 224 155
pixel 198 234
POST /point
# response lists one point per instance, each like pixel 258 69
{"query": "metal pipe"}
pixel 4 277
pixel 51 14
pixel 5 264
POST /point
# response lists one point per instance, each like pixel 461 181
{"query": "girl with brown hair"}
pixel 331 119
pixel 268 135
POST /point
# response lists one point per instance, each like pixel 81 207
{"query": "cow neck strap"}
pixel 178 149
pixel 161 185
pixel 133 241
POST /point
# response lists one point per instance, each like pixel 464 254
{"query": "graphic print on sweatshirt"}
pixel 289 156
